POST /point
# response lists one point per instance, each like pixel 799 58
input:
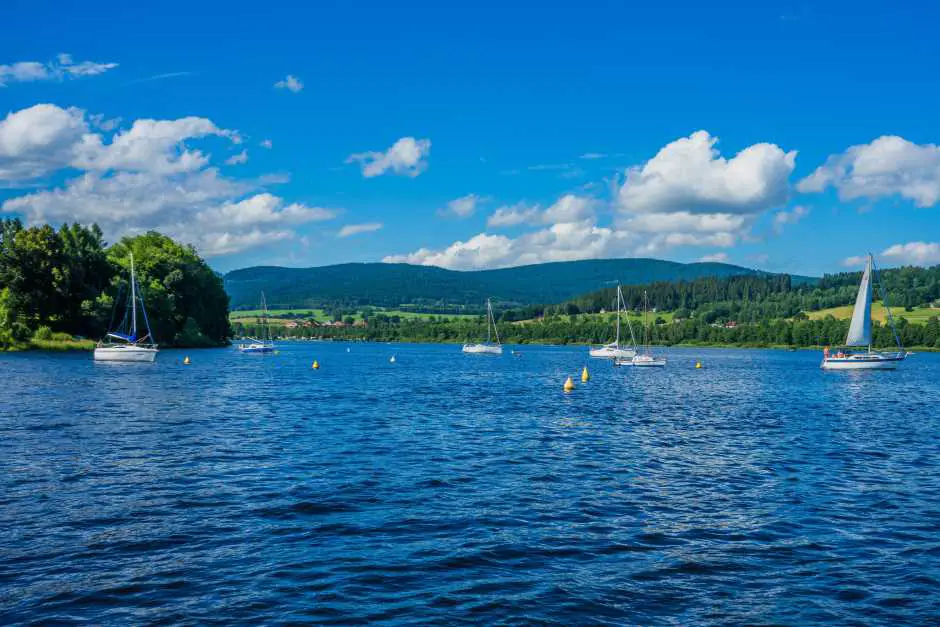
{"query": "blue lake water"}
pixel 468 489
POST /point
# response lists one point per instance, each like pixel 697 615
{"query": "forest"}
pixel 65 283
pixel 749 310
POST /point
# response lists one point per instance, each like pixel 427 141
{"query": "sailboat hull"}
pixel 126 353
pixel 612 352
pixel 864 361
pixel 483 349
pixel 256 348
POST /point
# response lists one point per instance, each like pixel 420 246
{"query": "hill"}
pixel 392 285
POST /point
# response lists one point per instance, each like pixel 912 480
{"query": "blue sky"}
pixel 596 129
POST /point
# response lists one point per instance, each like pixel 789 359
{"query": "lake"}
pixel 450 488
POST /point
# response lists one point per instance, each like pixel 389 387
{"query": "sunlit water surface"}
pixel 467 489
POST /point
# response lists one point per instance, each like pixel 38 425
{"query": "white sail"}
pixel 860 329
pixel 487 347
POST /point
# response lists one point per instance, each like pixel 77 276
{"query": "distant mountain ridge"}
pixel 391 285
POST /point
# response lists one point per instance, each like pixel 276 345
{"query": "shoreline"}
pixel 781 347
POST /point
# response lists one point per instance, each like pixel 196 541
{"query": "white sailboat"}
pixel 614 350
pixel 122 343
pixel 860 333
pixel 645 359
pixel 487 347
pixel 265 344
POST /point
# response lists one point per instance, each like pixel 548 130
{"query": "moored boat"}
pixel 265 344
pixel 615 350
pixel 488 347
pixel 122 343
pixel 849 357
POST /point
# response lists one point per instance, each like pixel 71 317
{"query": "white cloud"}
pixel 513 215
pixel 559 242
pixel 151 146
pixel 783 218
pixel 593 155
pixel 290 83
pixel 39 140
pixel 407 156
pixel 715 257
pixel 60 69
pixel 690 175
pixel 266 143
pixel 238 159
pixel 913 253
pixel 356 229
pixel 568 208
pixel 687 195
pixel 888 166
pixel 462 207
pixel 140 179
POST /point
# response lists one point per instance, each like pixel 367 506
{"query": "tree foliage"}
pixel 68 281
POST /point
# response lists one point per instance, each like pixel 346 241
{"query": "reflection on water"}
pixel 448 487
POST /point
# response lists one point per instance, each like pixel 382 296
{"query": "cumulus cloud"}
pixel 62 68
pixel 568 208
pixel 911 253
pixel 559 242
pixel 145 177
pixel 783 218
pixel 462 207
pixel 266 143
pixel 687 195
pixel 888 166
pixel 407 156
pixel 39 140
pixel 513 215
pixel 238 158
pixel 355 229
pixel 290 83
pixel 151 146
pixel 690 175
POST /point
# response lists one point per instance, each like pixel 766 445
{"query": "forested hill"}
pixel 391 285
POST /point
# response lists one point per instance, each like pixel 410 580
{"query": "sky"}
pixel 787 136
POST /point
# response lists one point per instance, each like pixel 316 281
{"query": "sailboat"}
pixel 487 347
pixel 645 359
pixel 122 343
pixel 860 333
pixel 614 350
pixel 265 344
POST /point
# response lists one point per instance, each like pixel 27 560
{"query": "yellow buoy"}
pixel 585 376
pixel 316 365
pixel 569 385
pixel 186 361
pixel 698 364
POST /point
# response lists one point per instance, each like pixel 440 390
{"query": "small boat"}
pixel 265 344
pixel 614 350
pixel 488 347
pixel 122 344
pixel 860 333
pixel 647 359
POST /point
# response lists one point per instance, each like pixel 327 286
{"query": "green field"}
pixel 920 315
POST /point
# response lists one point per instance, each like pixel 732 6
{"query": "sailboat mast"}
pixel 619 300
pixel 133 300
pixel 489 318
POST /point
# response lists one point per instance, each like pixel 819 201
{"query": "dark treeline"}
pixel 747 310
pixel 598 329
pixel 67 281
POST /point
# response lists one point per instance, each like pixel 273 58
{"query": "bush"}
pixel 43 333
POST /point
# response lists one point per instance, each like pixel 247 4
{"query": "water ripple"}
pixel 466 490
